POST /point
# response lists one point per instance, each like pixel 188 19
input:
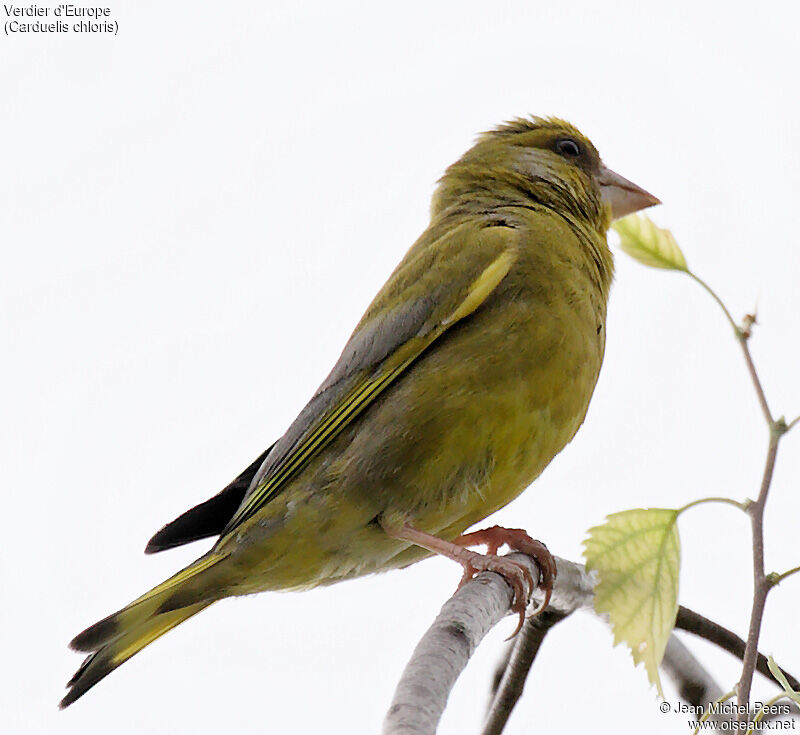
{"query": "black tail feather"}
pixel 96 666
pixel 96 635
pixel 208 518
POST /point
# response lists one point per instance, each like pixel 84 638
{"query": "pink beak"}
pixel 622 195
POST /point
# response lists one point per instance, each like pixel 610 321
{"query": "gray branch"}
pixel 465 619
pixel 443 652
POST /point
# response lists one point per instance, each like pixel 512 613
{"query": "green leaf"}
pixel 778 674
pixel 648 243
pixel 636 554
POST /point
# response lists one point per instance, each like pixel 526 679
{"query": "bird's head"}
pixel 546 160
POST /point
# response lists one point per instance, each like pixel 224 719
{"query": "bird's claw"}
pixel 517 575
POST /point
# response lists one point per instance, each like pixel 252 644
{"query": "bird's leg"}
pixel 517 575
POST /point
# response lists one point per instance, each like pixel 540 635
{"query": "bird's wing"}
pixel 438 284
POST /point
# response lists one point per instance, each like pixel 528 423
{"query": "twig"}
pixel 761 585
pixel 499 672
pixel 695 623
pixel 512 682
pixel 742 336
pixel 574 589
pixel 716 298
pixel 702 501
pixel 751 368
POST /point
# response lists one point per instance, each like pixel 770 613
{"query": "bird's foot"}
pixel 517 540
pixel 517 575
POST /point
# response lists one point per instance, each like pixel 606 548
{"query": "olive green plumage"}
pixel 469 372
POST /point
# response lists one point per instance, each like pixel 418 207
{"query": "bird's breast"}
pixel 476 419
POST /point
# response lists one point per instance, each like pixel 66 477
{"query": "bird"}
pixel 471 369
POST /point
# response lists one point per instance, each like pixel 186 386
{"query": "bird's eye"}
pixel 568 147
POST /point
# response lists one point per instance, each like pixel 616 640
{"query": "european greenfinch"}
pixel 471 369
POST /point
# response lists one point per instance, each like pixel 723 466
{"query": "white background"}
pixel 195 213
